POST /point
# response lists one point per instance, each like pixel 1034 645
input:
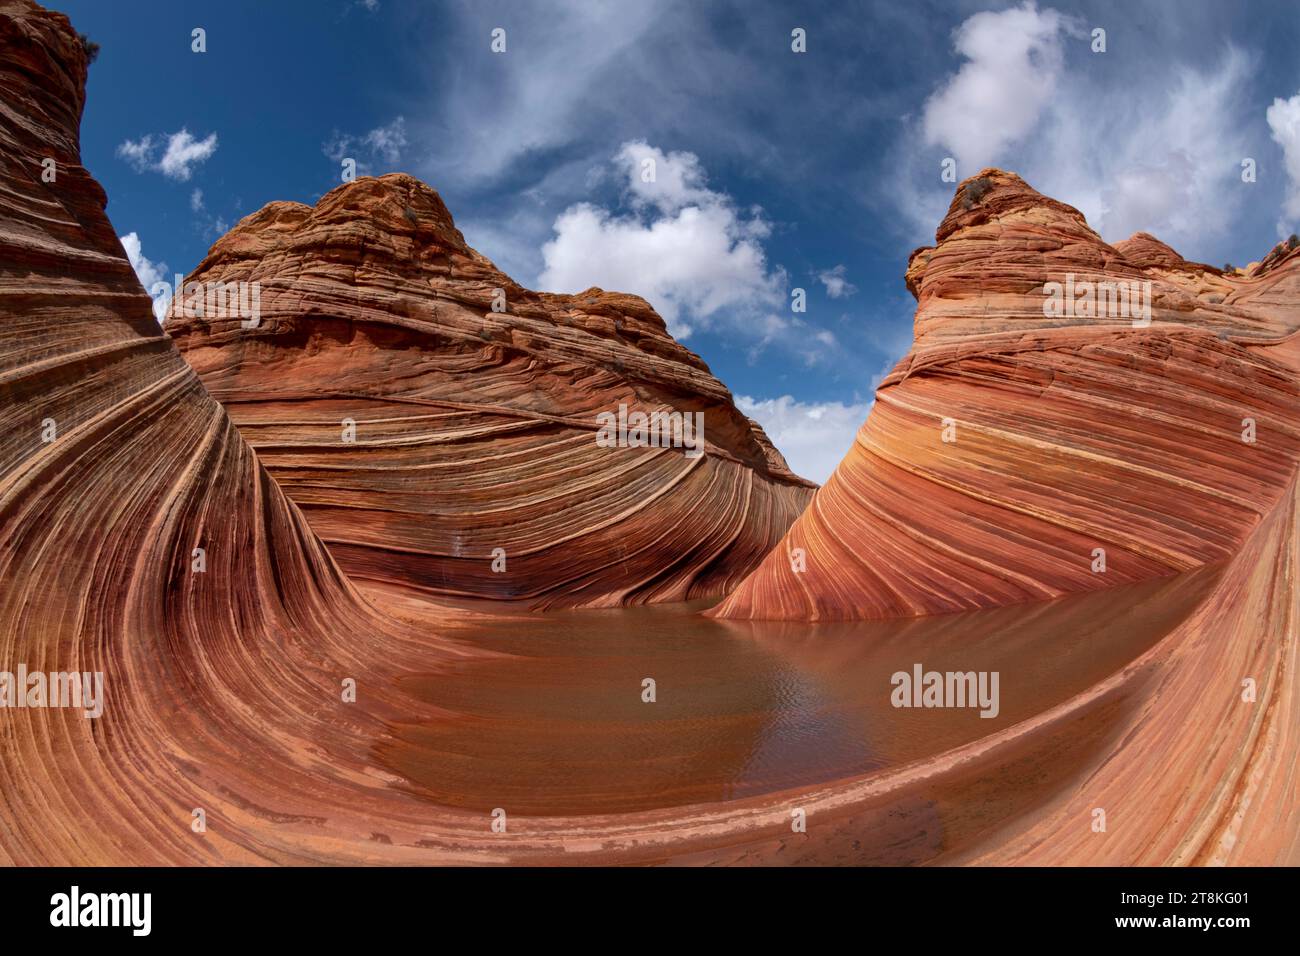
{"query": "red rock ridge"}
pixel 115 466
pixel 476 429
pixel 1068 433
pixel 222 687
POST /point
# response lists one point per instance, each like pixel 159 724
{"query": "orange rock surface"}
pixel 1011 448
pixel 222 679
pixel 475 427
pixel 141 539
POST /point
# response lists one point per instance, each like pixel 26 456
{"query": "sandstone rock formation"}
pixel 1011 448
pixel 139 538
pixel 475 429
pixel 222 678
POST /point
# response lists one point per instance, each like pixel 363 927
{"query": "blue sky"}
pixel 775 170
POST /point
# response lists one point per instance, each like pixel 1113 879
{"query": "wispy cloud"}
pixel 382 145
pixel 208 224
pixel 174 155
pixel 502 117
pixel 837 286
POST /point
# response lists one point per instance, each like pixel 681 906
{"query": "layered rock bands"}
pixel 440 426
pixel 248 680
pixel 1072 416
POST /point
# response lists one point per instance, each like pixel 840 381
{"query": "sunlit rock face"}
pixel 1072 416
pixel 139 538
pixel 253 701
pixel 474 465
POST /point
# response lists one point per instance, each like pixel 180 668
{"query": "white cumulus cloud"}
pixel 1284 124
pixel 813 436
pixel 174 155
pixel 1013 62
pixel 685 248
pixel 148 272
pixel 667 181
pixel 1153 146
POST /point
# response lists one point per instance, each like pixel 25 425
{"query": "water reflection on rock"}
pixel 554 724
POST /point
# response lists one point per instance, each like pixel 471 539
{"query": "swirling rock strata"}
pixel 222 703
pixel 474 468
pixel 141 540
pixel 1018 454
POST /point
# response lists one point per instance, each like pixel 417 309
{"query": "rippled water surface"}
pixel 557 726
